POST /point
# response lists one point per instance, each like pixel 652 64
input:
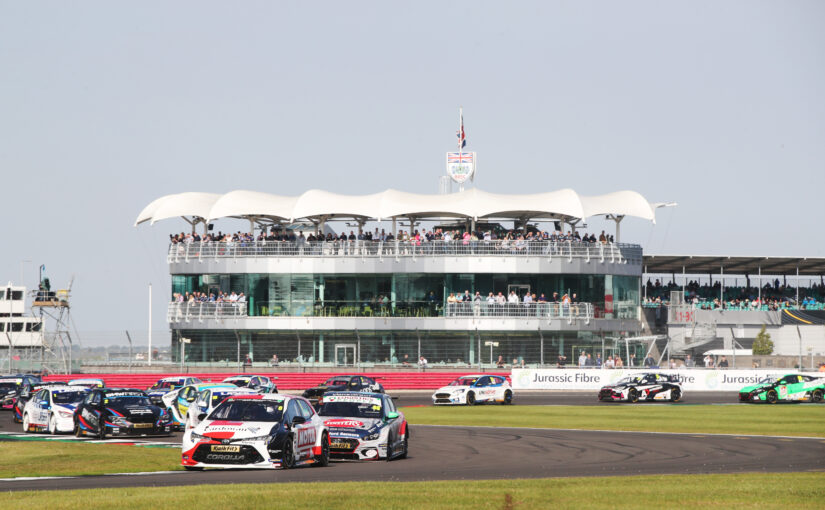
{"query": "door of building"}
pixel 345 355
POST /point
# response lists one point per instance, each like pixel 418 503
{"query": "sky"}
pixel 105 106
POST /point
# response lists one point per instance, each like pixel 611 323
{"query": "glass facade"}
pixel 395 348
pixel 413 294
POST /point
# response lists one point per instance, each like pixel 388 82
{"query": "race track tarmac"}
pixel 476 453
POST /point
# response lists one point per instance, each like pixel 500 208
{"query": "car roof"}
pixel 206 386
pixel 278 397
pixel 360 393
pixel 118 390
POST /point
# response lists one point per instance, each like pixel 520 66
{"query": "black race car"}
pixel 120 412
pixel 343 383
pixel 647 387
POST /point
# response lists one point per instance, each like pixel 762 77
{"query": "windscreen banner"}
pixel 593 379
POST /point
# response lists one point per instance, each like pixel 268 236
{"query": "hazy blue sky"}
pixel 105 106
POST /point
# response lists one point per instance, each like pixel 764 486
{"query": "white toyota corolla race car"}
pixel 257 431
pixel 475 389
pixel 51 409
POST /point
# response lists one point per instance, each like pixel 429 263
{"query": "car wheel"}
pixel 816 396
pixel 771 397
pixel 633 395
pixel 78 432
pixel 406 444
pixel 52 425
pixel 193 468
pixel 471 399
pixel 508 398
pixel 288 455
pixel 26 423
pixel 323 459
pixel 101 429
pixel 675 395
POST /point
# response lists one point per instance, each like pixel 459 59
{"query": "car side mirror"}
pixel 298 420
pixel 392 415
pixel 44 402
pixel 201 416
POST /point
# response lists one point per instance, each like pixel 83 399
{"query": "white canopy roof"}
pixel 473 203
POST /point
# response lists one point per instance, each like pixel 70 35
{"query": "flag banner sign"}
pixel 461 165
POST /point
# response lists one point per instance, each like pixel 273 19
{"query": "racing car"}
pixel 120 412
pixel 257 431
pixel 475 389
pixel 88 383
pixel 10 387
pixel 260 383
pixel 364 426
pixel 645 386
pixel 343 383
pixel 179 401
pixel 167 384
pixel 24 394
pixel 790 387
pixel 51 409
pixel 208 399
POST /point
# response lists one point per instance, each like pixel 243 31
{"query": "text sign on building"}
pixel 682 314
pixel 461 165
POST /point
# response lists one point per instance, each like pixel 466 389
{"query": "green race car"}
pixel 791 388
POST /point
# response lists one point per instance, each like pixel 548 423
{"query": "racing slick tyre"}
pixel 633 395
pixel 675 395
pixel 193 468
pixel 26 423
pixel 508 398
pixel 471 399
pixel 78 432
pixel 406 444
pixel 816 396
pixel 52 424
pixel 323 459
pixel 771 397
pixel 101 430
pixel 288 455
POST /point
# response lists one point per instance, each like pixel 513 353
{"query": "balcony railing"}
pixel 179 312
pixel 205 310
pixel 614 253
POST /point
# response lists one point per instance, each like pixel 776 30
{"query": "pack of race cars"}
pixel 243 421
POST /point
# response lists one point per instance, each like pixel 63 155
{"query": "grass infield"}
pixel 762 490
pixel 776 420
pixel 55 458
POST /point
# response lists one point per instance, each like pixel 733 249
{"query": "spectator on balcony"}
pixel 491 300
pixel 608 363
pixel 477 299
pixel 589 362
pixel 689 363
pixel 422 363
pixel 708 361
pixel 723 363
pixel 598 360
pixel 602 238
pixel 561 361
pixel 274 361
pixel 649 361
pixel 582 359
pixel 500 362
pixel 617 362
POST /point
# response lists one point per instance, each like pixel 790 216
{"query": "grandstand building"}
pixel 286 288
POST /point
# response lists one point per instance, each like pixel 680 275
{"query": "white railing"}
pixel 601 252
pixel 534 310
pixel 200 310
pixel 185 312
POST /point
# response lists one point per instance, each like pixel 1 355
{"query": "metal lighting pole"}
pixel 150 326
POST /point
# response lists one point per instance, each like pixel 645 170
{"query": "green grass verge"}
pixel 56 458
pixel 763 490
pixel 778 420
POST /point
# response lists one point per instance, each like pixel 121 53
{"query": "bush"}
pixel 762 345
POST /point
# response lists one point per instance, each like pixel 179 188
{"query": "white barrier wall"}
pixel 593 379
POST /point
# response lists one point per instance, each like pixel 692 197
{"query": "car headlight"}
pixel 372 437
pixel 256 438
pixel 462 390
pixel 65 414
pixel 198 437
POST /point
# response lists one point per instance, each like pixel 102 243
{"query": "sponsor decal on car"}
pixel 345 423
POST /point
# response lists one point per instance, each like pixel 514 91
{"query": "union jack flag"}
pixel 459 157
